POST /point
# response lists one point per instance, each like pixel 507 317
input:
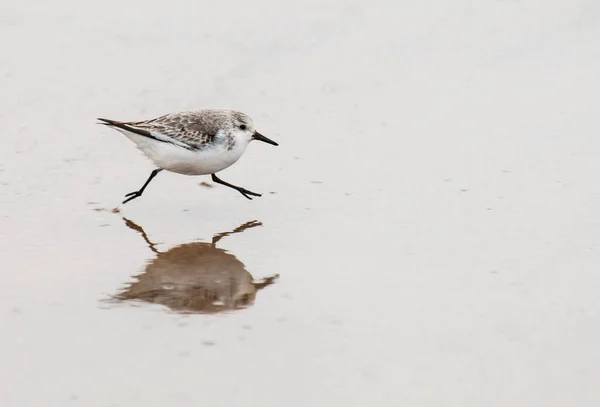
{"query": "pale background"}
pixel 435 217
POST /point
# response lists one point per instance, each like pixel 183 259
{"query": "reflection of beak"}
pixel 258 136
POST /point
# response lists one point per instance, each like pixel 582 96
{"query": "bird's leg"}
pixel 136 194
pixel 241 190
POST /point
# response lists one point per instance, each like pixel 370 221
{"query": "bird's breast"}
pixel 208 160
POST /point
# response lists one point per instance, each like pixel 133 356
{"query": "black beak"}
pixel 258 136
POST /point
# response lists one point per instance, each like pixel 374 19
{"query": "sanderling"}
pixel 192 143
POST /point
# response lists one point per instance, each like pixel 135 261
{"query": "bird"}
pixel 200 142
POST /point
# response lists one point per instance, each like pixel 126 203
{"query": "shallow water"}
pixel 428 233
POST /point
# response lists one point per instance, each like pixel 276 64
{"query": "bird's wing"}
pixel 183 129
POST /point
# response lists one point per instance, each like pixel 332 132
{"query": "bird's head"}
pixel 243 128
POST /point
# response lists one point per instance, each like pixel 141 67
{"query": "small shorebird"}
pixel 192 143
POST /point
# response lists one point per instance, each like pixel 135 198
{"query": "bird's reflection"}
pixel 195 277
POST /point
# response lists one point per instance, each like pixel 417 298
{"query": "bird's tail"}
pixel 129 128
pixel 108 122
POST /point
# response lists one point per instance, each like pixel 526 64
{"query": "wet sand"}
pixel 432 211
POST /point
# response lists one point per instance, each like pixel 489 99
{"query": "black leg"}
pixel 241 190
pixel 136 194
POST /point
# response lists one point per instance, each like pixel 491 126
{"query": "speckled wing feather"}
pixel 188 129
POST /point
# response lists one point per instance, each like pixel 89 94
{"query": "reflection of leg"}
pixel 136 194
pixel 259 285
pixel 134 226
pixel 239 229
pixel 241 190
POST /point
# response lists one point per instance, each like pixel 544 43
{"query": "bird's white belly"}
pixel 189 162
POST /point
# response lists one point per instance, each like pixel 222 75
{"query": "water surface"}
pixel 432 211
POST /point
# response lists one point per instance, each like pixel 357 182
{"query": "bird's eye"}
pixel 243 126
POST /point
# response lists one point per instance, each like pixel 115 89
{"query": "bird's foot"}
pixel 247 193
pixel 132 195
